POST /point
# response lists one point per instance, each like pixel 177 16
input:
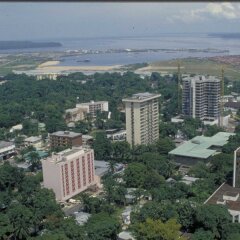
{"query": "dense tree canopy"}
pixel 156 229
pixel 46 100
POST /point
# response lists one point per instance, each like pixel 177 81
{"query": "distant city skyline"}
pixel 49 20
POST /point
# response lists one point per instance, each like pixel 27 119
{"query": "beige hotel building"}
pixel 142 118
pixel 69 172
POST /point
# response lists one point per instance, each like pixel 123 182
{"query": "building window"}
pixel 89 169
pixel 72 176
pixel 78 174
pixel 67 180
pixel 84 171
pixel 63 184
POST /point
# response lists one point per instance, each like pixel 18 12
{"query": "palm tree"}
pixel 21 220
pixel 34 160
pixel 111 166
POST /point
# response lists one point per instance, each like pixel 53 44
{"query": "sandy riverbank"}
pixel 153 68
pixel 52 66
pixel 48 64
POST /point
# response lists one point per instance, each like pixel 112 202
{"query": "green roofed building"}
pixel 200 148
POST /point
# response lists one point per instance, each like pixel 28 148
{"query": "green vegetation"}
pixel 24 97
pixel 155 229
pixel 197 66
pixel 29 211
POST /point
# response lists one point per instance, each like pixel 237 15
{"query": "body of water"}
pixel 165 41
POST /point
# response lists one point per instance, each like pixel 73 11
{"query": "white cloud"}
pixel 224 10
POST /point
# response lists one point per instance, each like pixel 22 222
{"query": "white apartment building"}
pixel 201 97
pixel 92 107
pixel 75 114
pixel 79 112
pixel 142 118
pixel 69 172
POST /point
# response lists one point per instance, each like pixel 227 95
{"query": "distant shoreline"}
pixel 18 45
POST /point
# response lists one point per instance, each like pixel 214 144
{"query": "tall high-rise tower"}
pixel 142 118
pixel 201 97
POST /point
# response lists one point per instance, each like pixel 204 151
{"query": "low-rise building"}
pixel 232 106
pixel 17 127
pixel 189 180
pixel 35 141
pixel 200 148
pixel 228 196
pixel 125 235
pixel 102 168
pixel 81 217
pixel 126 215
pixel 7 149
pixel 69 172
pixel 65 138
pixel 87 139
pixel 41 127
pixel 75 114
pixel 116 135
pixel 207 121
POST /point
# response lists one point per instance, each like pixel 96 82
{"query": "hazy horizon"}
pixel 51 20
pixel 120 36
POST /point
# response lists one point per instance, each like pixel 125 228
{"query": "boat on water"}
pixel 85 60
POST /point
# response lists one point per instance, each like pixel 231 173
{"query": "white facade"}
pixel 118 136
pixel 142 118
pixel 16 127
pixel 76 114
pixel 216 121
pixel 201 97
pixel 6 149
pixel 69 172
pixel 35 141
pixel 92 107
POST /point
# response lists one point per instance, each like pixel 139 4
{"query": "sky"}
pixel 51 20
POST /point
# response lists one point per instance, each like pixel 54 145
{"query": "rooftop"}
pixel 33 139
pixel 225 190
pixel 66 134
pixel 102 167
pixel 202 78
pixel 4 144
pixel 87 137
pixel 141 97
pixel 66 154
pixel 72 110
pixel 188 180
pixel 69 152
pixel 125 236
pixel 235 105
pixel 91 102
pixel 82 217
pixel 199 146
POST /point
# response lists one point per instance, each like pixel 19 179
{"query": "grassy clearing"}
pixel 197 66
pixel 18 63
